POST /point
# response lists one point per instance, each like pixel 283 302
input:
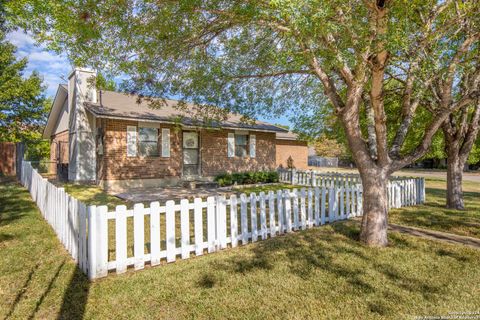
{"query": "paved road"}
pixel 467 176
pixel 435 174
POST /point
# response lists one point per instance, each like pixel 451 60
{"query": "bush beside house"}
pixel 227 179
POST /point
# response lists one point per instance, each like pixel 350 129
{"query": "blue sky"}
pixel 54 68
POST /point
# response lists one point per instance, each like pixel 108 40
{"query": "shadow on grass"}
pixel 16 205
pixel 21 292
pixel 93 195
pixel 12 207
pixel 434 215
pixel 75 297
pixel 334 250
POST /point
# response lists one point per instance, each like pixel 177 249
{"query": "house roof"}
pixel 118 105
pixel 287 136
pixel 57 104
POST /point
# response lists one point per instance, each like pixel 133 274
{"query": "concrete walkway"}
pixel 436 235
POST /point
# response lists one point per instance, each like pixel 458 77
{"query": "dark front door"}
pixel 191 154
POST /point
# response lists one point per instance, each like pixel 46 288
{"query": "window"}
pixel 241 144
pixel 147 142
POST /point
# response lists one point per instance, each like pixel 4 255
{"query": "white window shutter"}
pixel 131 141
pixel 165 142
pixel 231 145
pixel 253 142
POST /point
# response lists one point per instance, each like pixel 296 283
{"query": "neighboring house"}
pixel 288 145
pixel 119 142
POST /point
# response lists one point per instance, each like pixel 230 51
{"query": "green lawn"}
pixel 318 273
pixel 94 195
pixel 434 215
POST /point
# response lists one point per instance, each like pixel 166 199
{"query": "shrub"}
pixel 226 179
pixel 238 177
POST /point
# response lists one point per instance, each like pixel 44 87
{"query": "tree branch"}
pixel 273 74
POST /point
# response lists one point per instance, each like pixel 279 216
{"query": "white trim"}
pixel 54 111
pixel 253 145
pixel 165 142
pixel 131 137
pixel 231 145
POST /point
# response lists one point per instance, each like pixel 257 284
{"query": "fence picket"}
pixel 138 236
pixel 185 228
pixel 323 202
pixel 244 221
pixel 233 221
pixel 295 209
pixel 170 230
pixel 155 233
pixel 211 227
pixel 253 216
pixel 271 213
pixel 288 212
pixel 310 208
pixel 221 222
pixel 280 211
pixel 263 216
pixel 121 238
pixel 303 213
pixel 198 220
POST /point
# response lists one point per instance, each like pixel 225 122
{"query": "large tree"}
pixel 460 132
pixel 23 107
pixel 262 57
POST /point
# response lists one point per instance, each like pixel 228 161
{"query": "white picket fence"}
pixel 66 215
pixel 195 227
pixel 101 240
pixel 402 191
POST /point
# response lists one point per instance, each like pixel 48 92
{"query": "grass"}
pixel 434 215
pixel 319 273
pixel 94 195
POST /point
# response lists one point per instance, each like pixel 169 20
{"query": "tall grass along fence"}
pixel 104 240
pixel 402 191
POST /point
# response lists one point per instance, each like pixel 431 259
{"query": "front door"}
pixel 191 155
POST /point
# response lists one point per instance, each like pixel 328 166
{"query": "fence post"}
pixel 313 179
pixel 294 176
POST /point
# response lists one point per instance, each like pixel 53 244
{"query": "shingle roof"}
pixel 287 135
pixel 125 106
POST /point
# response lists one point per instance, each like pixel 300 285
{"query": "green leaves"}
pixel 23 108
pixel 256 57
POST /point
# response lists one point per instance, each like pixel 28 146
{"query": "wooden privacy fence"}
pixel 7 158
pixel 101 240
pixel 66 215
pixel 402 191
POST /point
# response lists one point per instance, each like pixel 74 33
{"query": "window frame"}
pixel 241 146
pixel 139 142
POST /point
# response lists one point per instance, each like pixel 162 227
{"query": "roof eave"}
pixel 117 117
pixel 46 134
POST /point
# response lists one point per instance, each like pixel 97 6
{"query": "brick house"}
pixel 120 142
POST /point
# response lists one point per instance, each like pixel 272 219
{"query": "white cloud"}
pixel 51 66
pixel 20 39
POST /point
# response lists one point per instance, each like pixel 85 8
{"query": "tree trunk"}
pixel 375 208
pixel 454 180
